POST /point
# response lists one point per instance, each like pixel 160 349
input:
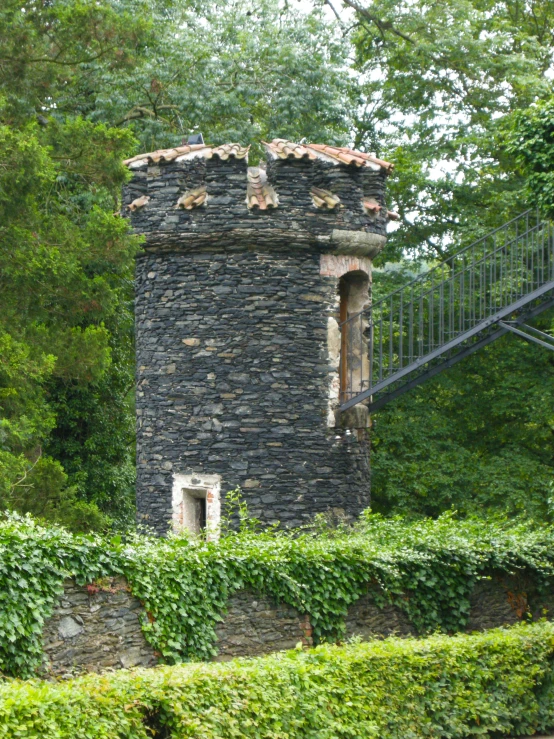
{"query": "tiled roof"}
pixel 282 149
pixel 349 156
pixel 278 148
pixel 258 193
pixel 189 151
pixel 324 198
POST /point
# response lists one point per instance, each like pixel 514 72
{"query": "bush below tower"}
pixel 498 682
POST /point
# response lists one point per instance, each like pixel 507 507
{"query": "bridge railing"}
pixel 440 307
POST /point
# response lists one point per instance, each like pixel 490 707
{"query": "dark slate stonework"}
pixel 366 620
pixel 506 599
pixel 226 220
pixel 94 629
pixel 231 329
pixel 493 603
pixel 497 600
pixel 256 625
pixel 249 400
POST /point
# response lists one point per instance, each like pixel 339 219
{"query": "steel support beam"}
pixel 527 337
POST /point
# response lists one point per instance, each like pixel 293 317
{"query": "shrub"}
pixel 428 569
pixel 499 681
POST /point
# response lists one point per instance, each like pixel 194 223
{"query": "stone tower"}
pixel 245 278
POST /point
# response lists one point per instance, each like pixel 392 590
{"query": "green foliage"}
pixel 51 52
pixel 530 140
pixel 427 568
pixel 250 71
pixel 499 682
pixel 65 276
pixel 437 79
pixel 477 438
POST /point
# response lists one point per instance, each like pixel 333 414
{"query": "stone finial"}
pixel 324 198
pixel 258 193
pixel 192 198
pixel 371 206
pixel 138 203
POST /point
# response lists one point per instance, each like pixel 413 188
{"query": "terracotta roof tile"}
pixel 349 156
pixel 324 198
pixel 283 149
pixel 192 198
pixel 189 151
pixel 258 193
pixel 230 150
pixel 392 216
pixel 139 202
pixel 279 148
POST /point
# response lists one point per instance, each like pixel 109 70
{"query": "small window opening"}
pixel 196 504
pixel 192 513
pixel 200 513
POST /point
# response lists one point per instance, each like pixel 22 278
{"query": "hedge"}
pixel 427 568
pixel 499 681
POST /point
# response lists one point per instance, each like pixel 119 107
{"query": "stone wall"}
pixel 98 628
pixel 255 625
pixel 224 220
pixel 366 620
pixel 234 374
pixel 94 629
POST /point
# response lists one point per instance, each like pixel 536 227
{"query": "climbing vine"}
pixel 427 568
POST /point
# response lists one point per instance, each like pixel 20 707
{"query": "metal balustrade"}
pixel 473 297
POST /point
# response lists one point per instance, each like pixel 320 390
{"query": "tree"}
pixel 65 268
pixel 238 71
pixel 84 84
pixel 529 136
pixel 437 80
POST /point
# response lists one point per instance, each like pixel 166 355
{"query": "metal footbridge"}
pixel 475 296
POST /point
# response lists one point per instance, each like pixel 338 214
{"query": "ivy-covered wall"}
pixel 96 628
pixel 428 571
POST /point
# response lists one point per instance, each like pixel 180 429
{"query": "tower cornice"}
pixel 194 196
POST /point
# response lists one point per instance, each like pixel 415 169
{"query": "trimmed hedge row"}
pixel 427 568
pixel 466 685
